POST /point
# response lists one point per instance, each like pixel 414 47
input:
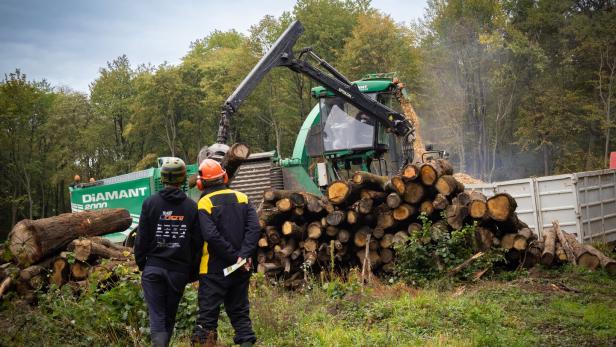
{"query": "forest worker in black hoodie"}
pixel 230 230
pixel 167 249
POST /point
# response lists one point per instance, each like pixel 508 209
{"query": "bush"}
pixel 422 258
pixel 109 311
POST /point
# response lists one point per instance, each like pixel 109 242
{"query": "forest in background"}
pixel 511 88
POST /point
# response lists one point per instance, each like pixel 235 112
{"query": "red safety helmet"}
pixel 210 172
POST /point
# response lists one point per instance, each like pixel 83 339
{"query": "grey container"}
pixel 584 203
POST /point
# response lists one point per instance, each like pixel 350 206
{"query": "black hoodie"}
pixel 168 235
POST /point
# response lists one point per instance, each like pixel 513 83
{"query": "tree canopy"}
pixel 510 88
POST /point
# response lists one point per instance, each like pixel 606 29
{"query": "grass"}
pixel 566 307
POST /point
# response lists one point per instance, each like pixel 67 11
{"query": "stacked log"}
pixel 358 221
pixel 60 250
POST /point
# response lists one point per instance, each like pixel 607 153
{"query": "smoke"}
pixel 467 98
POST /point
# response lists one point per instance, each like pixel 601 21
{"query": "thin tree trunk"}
pixel 14 208
pixel 546 168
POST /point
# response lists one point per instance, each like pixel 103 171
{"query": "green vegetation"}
pixel 510 88
pixel 566 307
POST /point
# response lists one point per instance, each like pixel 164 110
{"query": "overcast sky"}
pixel 66 42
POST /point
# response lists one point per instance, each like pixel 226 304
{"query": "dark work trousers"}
pixel 215 289
pixel 163 290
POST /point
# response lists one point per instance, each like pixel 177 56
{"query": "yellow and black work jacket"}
pixel 229 227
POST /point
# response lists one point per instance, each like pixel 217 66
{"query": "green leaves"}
pixel 422 259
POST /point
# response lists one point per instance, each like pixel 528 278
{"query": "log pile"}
pixel 65 249
pixel 358 221
pixel 560 247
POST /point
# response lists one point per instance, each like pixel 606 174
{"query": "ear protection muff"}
pixel 200 185
pixel 201 181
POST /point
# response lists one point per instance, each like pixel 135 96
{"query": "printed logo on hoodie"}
pixel 170 229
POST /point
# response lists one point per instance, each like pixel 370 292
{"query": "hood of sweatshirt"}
pixel 173 195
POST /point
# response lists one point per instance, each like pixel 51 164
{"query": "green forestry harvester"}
pixel 354 126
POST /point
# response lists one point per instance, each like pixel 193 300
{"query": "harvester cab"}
pixel 349 139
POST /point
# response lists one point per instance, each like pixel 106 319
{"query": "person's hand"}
pixel 247 265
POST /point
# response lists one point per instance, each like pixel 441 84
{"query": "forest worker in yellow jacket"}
pixel 230 230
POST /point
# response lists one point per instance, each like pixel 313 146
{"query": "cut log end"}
pixel 589 261
pixel 23 243
pixel 410 172
pixel 338 191
pixel 413 193
pixel 403 212
pixel 501 206
pixel 284 204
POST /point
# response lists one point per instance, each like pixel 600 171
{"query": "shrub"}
pixel 422 258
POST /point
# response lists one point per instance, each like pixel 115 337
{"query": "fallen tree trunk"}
pixel 31 240
pixel 31 271
pixel 507 241
pixel 331 231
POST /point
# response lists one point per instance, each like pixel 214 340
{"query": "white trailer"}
pixel 583 202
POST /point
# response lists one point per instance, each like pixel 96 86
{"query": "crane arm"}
pixel 281 54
